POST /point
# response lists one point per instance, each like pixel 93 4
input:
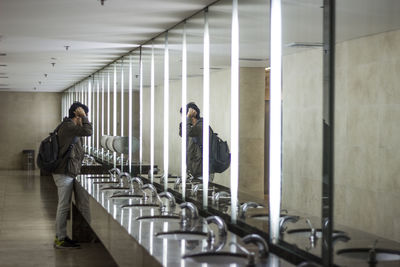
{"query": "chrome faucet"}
pixel 114 172
pixel 196 188
pixel 138 181
pixel 372 254
pixel 170 197
pixel 121 175
pixel 285 219
pixel 245 206
pixel 178 181
pixel 260 242
pixel 222 233
pixel 218 195
pixel 153 189
pixel 313 234
pixel 194 213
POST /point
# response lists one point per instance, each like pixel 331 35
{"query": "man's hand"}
pixel 191 113
pixel 79 112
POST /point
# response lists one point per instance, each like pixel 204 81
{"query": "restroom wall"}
pixel 252 90
pixel 26 119
pixel 367 134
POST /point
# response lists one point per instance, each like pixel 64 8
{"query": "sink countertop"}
pixel 166 252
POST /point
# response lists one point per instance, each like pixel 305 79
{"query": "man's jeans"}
pixel 65 186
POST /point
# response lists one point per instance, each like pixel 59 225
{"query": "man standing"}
pixel 194 126
pixel 71 153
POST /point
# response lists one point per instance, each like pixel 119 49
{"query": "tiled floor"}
pixel 28 205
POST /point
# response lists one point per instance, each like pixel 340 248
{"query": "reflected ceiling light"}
pixel 304 44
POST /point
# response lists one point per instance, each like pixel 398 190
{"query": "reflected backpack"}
pixel 219 155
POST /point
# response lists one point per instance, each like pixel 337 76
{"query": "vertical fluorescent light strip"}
pixel 122 109
pixel 140 111
pixel 234 110
pixel 152 115
pixel 93 114
pixel 102 112
pixel 166 112
pixel 184 97
pixel 90 111
pixel 98 114
pixel 108 103
pixel 275 119
pixel 115 110
pixel 130 113
pixel 206 108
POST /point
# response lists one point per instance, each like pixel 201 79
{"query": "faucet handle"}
pixel 260 242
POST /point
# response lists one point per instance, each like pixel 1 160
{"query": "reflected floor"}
pixel 28 206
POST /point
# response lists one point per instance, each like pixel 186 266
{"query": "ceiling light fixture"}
pixel 45 75
pixel 3 54
pixel 53 64
pixel 40 82
pixel 102 2
pixel 67 47
pixel 3 65
pixel 3 77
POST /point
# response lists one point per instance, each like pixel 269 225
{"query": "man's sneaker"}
pixel 71 240
pixel 65 243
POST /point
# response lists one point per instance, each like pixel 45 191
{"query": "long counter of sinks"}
pixel 133 242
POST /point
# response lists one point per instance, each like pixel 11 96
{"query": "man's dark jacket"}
pixel 70 133
pixel 194 157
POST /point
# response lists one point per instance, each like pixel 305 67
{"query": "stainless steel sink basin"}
pixel 106 183
pixel 218 258
pixel 139 206
pixel 179 235
pixel 364 254
pixel 307 231
pixel 126 196
pixel 159 218
pixel 262 216
pixel 114 188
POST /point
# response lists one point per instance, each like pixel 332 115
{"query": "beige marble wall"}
pixel 26 119
pixel 252 90
pixel 302 132
pixel 367 135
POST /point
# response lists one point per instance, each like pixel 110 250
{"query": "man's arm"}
pixel 81 129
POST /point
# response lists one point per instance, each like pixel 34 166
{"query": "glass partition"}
pixel 302 104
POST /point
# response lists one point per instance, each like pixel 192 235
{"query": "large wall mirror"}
pixel 142 93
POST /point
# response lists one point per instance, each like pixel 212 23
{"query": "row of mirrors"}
pixel 262 91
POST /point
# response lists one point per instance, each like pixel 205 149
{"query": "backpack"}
pixel 220 157
pixel 47 158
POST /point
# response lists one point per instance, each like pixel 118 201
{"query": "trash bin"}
pixel 28 162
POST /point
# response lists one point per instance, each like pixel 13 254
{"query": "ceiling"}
pixel 33 34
